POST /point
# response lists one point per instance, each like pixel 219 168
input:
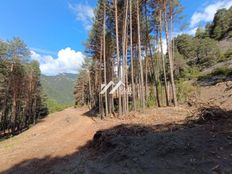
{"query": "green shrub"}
pixel 225 71
pixel 228 54
pixel 190 73
pixel 184 90
pixel 151 102
pixel 221 71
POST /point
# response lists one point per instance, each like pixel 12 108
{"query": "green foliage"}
pixel 185 46
pixel 207 52
pixel 224 71
pixel 82 88
pixel 190 73
pixel 151 102
pixel 21 101
pixel 54 106
pixel 201 33
pixel 17 49
pixel 227 55
pixel 202 51
pixel 221 23
pixel 185 90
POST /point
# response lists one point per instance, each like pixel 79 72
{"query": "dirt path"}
pixel 61 135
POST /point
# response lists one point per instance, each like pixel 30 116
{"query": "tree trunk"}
pixel 101 108
pixel 90 89
pixel 169 55
pixel 117 53
pixel 163 57
pixel 104 58
pixel 125 58
pixel 140 57
pixel 132 62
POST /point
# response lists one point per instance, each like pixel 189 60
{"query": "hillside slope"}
pixel 60 87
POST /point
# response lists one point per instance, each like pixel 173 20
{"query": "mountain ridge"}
pixel 59 87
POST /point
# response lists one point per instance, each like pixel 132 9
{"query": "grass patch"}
pixel 54 106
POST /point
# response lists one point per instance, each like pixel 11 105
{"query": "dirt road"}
pixel 61 135
pixel 67 143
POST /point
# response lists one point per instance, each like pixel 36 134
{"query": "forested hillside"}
pixel 204 49
pixel 21 99
pixel 59 87
pixel 59 90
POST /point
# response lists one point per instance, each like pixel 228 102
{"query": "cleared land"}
pixel 158 141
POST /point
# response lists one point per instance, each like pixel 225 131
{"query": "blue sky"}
pixel 55 30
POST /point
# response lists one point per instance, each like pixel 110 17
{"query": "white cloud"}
pixel 207 14
pixel 67 61
pixel 190 32
pixel 43 51
pixel 84 13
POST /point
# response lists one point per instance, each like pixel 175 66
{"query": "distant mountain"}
pixel 60 87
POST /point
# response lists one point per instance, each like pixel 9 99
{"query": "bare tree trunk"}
pixel 169 55
pixel 104 58
pixel 132 60
pixel 146 57
pixel 127 99
pixel 117 52
pixel 90 89
pixel 146 78
pixel 125 58
pixel 163 57
pixel 140 57
pixel 14 113
pixel 101 109
pixel 172 55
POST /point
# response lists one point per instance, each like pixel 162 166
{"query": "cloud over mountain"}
pixel 67 61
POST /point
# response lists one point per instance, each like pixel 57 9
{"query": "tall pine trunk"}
pixel 132 60
pixel 117 53
pixel 163 57
pixel 124 44
pixel 140 58
pixel 104 58
pixel 169 55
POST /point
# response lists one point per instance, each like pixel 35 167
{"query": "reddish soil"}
pixel 62 133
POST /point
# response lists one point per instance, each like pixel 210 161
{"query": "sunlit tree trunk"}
pixel 169 54
pixel 104 57
pixel 117 53
pixel 124 40
pixel 140 57
pixel 163 57
pixel 132 59
pixel 101 109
